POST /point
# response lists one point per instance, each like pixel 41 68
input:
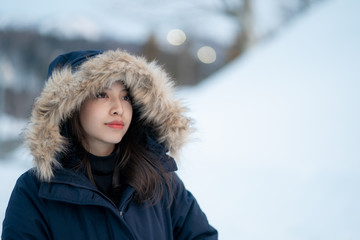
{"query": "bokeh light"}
pixel 176 37
pixel 206 54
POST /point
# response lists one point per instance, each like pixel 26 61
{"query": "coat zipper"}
pixel 120 213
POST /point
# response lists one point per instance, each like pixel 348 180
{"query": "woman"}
pixel 101 133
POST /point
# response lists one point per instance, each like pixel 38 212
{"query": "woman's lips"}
pixel 115 124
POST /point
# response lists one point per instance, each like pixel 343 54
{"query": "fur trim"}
pixel 149 85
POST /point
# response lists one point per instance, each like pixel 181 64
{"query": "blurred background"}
pixel 273 86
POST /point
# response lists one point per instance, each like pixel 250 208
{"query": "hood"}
pixel 75 76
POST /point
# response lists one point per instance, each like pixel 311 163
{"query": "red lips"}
pixel 115 124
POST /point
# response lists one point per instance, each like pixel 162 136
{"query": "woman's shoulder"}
pixel 28 180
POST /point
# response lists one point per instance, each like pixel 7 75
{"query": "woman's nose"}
pixel 117 108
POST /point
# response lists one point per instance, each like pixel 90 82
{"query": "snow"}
pixel 276 153
pixel 10 127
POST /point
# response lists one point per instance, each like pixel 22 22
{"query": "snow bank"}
pixel 10 127
pixel 277 150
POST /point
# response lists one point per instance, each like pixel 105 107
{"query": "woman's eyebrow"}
pixel 109 89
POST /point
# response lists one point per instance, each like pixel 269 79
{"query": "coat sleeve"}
pixel 25 216
pixel 189 221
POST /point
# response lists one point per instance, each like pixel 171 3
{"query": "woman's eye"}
pixel 126 98
pixel 101 95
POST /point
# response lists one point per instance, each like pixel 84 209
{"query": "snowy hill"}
pixel 277 151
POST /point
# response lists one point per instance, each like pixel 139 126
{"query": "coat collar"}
pixel 74 187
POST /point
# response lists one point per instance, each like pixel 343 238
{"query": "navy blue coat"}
pixel 70 207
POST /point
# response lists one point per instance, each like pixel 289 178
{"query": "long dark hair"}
pixel 137 166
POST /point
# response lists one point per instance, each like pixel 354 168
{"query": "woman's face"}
pixel 105 119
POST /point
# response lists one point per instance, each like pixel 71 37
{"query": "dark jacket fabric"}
pixel 70 207
pixel 55 201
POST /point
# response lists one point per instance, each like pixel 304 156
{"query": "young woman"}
pixel 102 134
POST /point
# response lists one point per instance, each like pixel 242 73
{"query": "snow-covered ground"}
pixel 10 127
pixel 276 154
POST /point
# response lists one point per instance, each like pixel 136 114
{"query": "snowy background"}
pixel 276 154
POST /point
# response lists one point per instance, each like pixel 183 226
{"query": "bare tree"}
pixel 242 12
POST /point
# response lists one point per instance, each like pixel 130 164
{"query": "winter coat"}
pixel 53 202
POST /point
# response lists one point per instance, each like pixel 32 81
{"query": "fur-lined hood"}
pixel 68 86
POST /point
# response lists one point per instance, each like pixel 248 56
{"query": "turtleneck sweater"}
pixel 102 169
